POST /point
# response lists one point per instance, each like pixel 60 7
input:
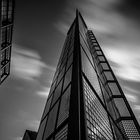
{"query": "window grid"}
pixel 90 73
pixel 130 129
pixel 96 115
pixel 41 129
pixel 62 134
pixel 110 85
pixel 51 121
pixel 64 106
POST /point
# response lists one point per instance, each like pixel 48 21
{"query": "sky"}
pixel 40 29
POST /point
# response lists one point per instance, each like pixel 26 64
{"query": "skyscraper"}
pixel 86 101
pixel 6 29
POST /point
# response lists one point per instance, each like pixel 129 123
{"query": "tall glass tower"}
pixel 6 29
pixel 86 101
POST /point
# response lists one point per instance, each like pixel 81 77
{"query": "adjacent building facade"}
pixel 6 29
pixel 86 101
pixel 29 135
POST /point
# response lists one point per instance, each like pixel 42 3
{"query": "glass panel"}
pixel 99 52
pixel 51 121
pixel 9 33
pixel 41 129
pixel 62 134
pixel 10 11
pixel 5 71
pixel 3 35
pixel 120 104
pixel 97 48
pixel 108 75
pixel 97 120
pixel 47 107
pixel 82 28
pixel 104 66
pixel 85 46
pixel 114 88
pixel 101 58
pixel 4 10
pixel 130 130
pixel 61 74
pixel 90 73
pixel 64 106
pixel 67 78
pixel 69 62
pixel 57 92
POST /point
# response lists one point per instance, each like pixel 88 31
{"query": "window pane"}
pixel 41 129
pixel 57 92
pixel 67 78
pixel 108 75
pixel 62 134
pixel 114 88
pixel 51 121
pixel 47 107
pixel 69 62
pixel 120 104
pixel 64 106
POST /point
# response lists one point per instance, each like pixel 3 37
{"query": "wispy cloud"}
pixel 137 107
pixel 27 119
pixel 131 98
pixel 18 138
pixel 44 92
pixel 26 64
pixel 62 27
pixel 127 63
pixel 130 90
pixel 33 124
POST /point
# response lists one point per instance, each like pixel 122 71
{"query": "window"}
pixel 69 62
pixel 64 106
pixel 10 11
pixel 3 35
pixel 114 88
pixel 99 52
pixel 130 129
pixel 57 92
pixel 41 129
pixel 120 104
pixel 67 78
pixel 9 32
pixel 108 75
pixel 101 58
pixel 104 66
pixel 90 72
pixel 4 10
pixel 97 119
pixel 51 121
pixel 62 134
pixel 47 107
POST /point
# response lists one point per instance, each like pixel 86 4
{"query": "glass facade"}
pixel 86 101
pixel 7 7
pixel 114 99
pixel 54 122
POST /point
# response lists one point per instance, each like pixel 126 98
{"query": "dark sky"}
pixel 39 31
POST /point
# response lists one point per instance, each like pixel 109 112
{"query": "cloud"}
pixel 130 90
pixel 62 27
pixel 131 98
pixel 33 124
pixel 18 138
pixel 44 92
pixel 137 107
pixel 128 63
pixel 26 64
pixel 28 120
